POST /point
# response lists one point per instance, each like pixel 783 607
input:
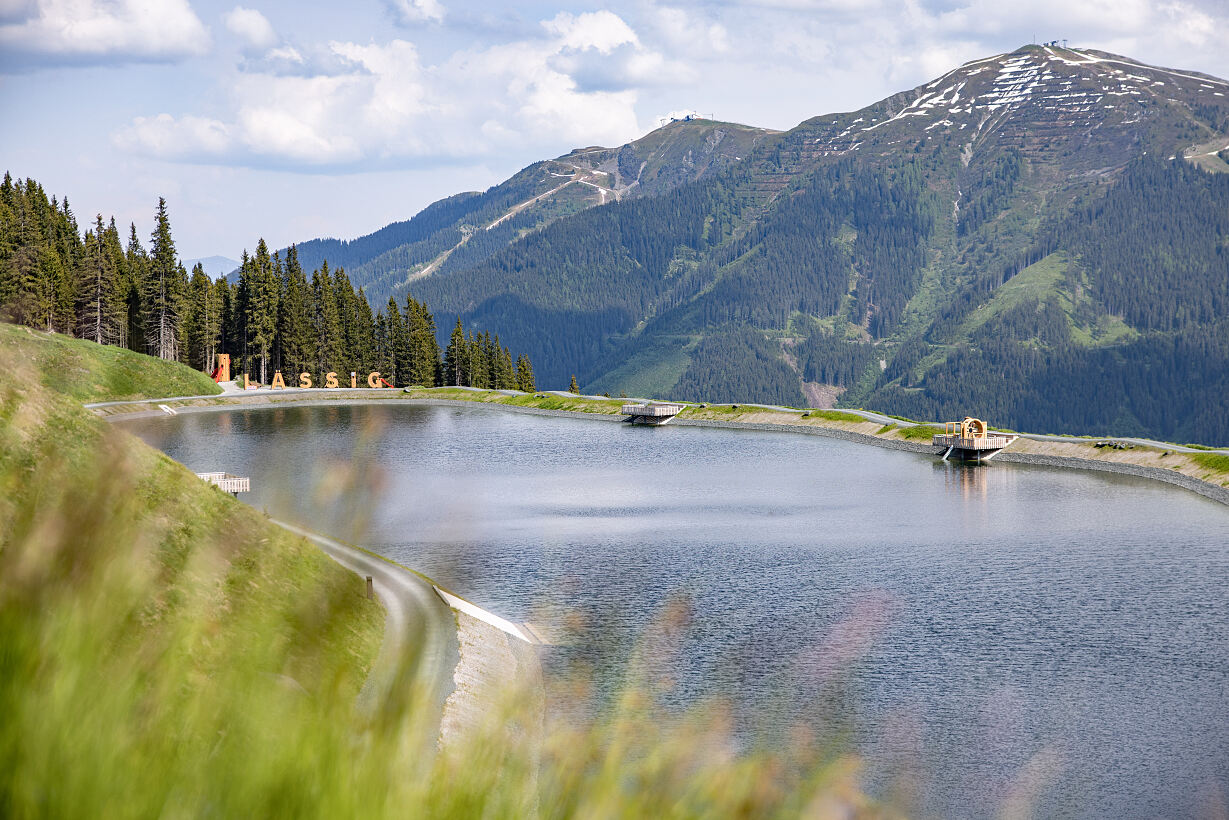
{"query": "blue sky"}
pixel 291 120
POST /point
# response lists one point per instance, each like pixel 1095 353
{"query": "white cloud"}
pixel 165 136
pixel 685 33
pixel 349 104
pixel 603 31
pixel 413 12
pixel 252 27
pixel 44 32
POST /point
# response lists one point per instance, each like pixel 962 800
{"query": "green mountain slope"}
pixel 466 229
pixel 877 252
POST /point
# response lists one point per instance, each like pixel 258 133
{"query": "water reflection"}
pixel 1005 630
pixel 972 482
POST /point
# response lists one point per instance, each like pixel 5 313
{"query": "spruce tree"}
pixel 326 323
pixel 364 334
pixel 137 262
pixel 68 248
pixel 347 343
pixel 96 292
pixel 524 374
pixel 296 342
pixel 507 370
pixel 425 365
pixel 574 387
pixel 263 289
pixel 118 296
pixel 395 353
pixel 164 290
pixel 456 358
pixel 203 321
pixel 479 373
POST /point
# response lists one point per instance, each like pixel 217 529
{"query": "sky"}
pixel 291 120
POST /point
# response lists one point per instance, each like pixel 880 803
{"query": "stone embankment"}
pixel 811 430
pixel 1187 482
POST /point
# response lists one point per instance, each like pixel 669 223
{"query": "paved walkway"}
pixel 420 648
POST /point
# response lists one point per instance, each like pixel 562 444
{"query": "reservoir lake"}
pixel 984 634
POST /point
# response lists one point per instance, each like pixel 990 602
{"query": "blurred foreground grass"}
pixel 166 651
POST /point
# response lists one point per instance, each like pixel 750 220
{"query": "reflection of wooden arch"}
pixel 972 428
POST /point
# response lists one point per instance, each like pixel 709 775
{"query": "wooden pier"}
pixel 654 413
pixel 232 484
pixel 970 440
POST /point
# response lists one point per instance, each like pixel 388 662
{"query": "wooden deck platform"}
pixel 653 412
pixel 975 448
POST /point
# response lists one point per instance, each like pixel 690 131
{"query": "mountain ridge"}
pixel 870 249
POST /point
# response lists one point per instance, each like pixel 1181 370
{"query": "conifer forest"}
pixel 112 289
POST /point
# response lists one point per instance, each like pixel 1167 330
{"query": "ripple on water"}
pixel 981 628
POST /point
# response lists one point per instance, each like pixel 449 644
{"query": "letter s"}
pixel 305 380
pixel 330 379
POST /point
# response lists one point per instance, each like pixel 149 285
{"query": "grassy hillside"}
pixel 157 637
pixel 91 372
pixel 165 650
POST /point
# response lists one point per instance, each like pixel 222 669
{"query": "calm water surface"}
pixel 993 631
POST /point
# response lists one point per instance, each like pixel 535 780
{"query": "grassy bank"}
pixel 157 637
pixel 91 372
pixel 165 650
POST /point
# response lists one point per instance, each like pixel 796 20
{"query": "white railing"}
pixel 654 410
pixel 227 482
pixel 978 443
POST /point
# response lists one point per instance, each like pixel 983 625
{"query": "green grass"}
pixel 544 401
pixel 1216 462
pixel 922 432
pixel 160 643
pixel 91 372
pixel 836 415
pixel 165 650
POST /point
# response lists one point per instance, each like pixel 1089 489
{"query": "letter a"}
pixel 278 381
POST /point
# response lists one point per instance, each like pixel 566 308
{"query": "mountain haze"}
pixel 1039 237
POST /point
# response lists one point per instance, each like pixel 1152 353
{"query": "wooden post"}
pixel 371 591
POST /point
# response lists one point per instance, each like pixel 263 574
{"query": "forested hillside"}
pixel 1037 237
pixel 272 318
pixel 464 230
pixel 1131 336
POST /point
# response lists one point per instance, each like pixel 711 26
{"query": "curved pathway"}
pixel 420 648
